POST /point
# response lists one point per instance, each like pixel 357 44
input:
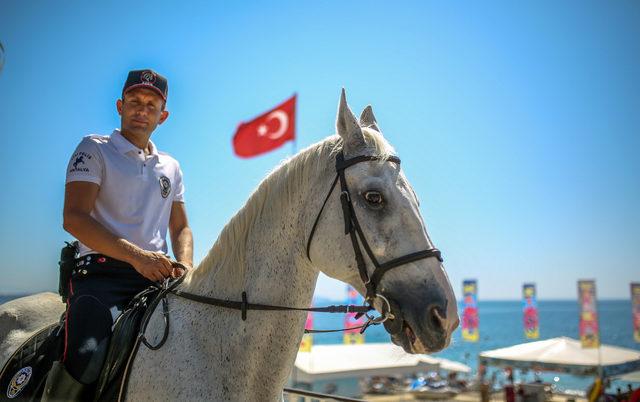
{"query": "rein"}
pixel 170 286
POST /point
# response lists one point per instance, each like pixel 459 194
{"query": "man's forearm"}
pixel 182 245
pixel 95 236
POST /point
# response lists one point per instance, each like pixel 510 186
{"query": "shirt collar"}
pixel 124 146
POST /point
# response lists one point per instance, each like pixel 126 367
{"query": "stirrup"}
pixel 61 386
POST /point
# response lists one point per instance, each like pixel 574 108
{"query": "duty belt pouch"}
pixel 67 265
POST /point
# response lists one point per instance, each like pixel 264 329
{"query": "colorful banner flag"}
pixel 530 311
pixel 635 310
pixel 353 336
pixel 470 319
pixel 267 131
pixel 307 339
pixel 589 332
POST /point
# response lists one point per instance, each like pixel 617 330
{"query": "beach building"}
pixel 339 367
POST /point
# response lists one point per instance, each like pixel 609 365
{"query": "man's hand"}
pixel 153 266
pixel 180 268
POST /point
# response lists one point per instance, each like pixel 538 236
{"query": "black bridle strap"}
pixel 244 305
pixel 362 328
pixel 353 228
pixel 315 224
pixel 406 259
pixel 342 164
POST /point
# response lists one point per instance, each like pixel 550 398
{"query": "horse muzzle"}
pixel 420 331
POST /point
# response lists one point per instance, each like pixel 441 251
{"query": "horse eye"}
pixel 373 197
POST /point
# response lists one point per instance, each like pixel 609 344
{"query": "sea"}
pixel 501 325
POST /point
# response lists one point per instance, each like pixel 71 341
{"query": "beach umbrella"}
pixel 564 355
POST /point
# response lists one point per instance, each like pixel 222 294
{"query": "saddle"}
pixel 24 375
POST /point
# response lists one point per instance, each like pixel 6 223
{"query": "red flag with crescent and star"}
pixel 267 131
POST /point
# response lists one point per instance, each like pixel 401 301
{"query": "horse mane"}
pixel 276 192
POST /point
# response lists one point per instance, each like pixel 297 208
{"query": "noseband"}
pixel 354 230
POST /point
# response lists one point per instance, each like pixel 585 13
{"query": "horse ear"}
pixel 348 127
pixel 367 119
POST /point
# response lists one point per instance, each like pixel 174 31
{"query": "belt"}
pixel 97 260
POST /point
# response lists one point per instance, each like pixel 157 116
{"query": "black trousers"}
pixel 99 291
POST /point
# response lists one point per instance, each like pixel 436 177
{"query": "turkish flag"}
pixel 267 131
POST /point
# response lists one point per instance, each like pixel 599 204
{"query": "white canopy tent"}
pixel 565 355
pixel 328 362
pixel 630 377
pixel 453 366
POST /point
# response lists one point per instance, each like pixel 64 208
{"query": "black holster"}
pixel 67 264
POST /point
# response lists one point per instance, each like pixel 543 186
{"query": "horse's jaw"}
pixel 411 343
pixel 423 305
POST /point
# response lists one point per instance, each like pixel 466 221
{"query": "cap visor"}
pixel 159 92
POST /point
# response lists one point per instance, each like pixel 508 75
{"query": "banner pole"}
pixel 600 368
pixel 294 142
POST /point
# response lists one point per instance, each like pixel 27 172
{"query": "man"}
pixel 121 195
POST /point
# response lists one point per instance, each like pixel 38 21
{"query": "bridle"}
pixel 391 318
pixel 351 227
pixel 354 230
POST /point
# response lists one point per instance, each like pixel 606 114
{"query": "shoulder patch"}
pixel 79 161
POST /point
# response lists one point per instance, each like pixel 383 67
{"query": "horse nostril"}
pixel 437 318
pixel 456 324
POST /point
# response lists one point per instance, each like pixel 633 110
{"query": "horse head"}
pixel 396 267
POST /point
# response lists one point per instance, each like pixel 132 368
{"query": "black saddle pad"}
pixel 122 342
pixel 22 378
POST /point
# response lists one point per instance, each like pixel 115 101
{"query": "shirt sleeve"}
pixel 178 195
pixel 86 163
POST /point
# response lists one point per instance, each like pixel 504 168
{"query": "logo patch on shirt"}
pixel 79 159
pixel 165 186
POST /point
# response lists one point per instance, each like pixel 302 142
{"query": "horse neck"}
pixel 273 267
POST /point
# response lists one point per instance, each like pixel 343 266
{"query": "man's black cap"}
pixel 146 79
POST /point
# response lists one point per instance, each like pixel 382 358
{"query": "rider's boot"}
pixel 61 386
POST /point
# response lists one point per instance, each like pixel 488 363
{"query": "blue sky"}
pixel 518 123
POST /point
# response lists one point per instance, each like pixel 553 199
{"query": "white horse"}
pixel 212 354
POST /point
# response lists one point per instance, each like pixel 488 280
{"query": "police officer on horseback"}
pixel 121 197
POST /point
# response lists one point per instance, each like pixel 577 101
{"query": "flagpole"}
pixel 294 143
pixel 600 368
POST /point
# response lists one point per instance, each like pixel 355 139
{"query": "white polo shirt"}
pixel 136 190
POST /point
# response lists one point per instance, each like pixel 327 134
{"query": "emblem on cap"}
pixel 148 77
pixel 165 186
pixel 19 381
